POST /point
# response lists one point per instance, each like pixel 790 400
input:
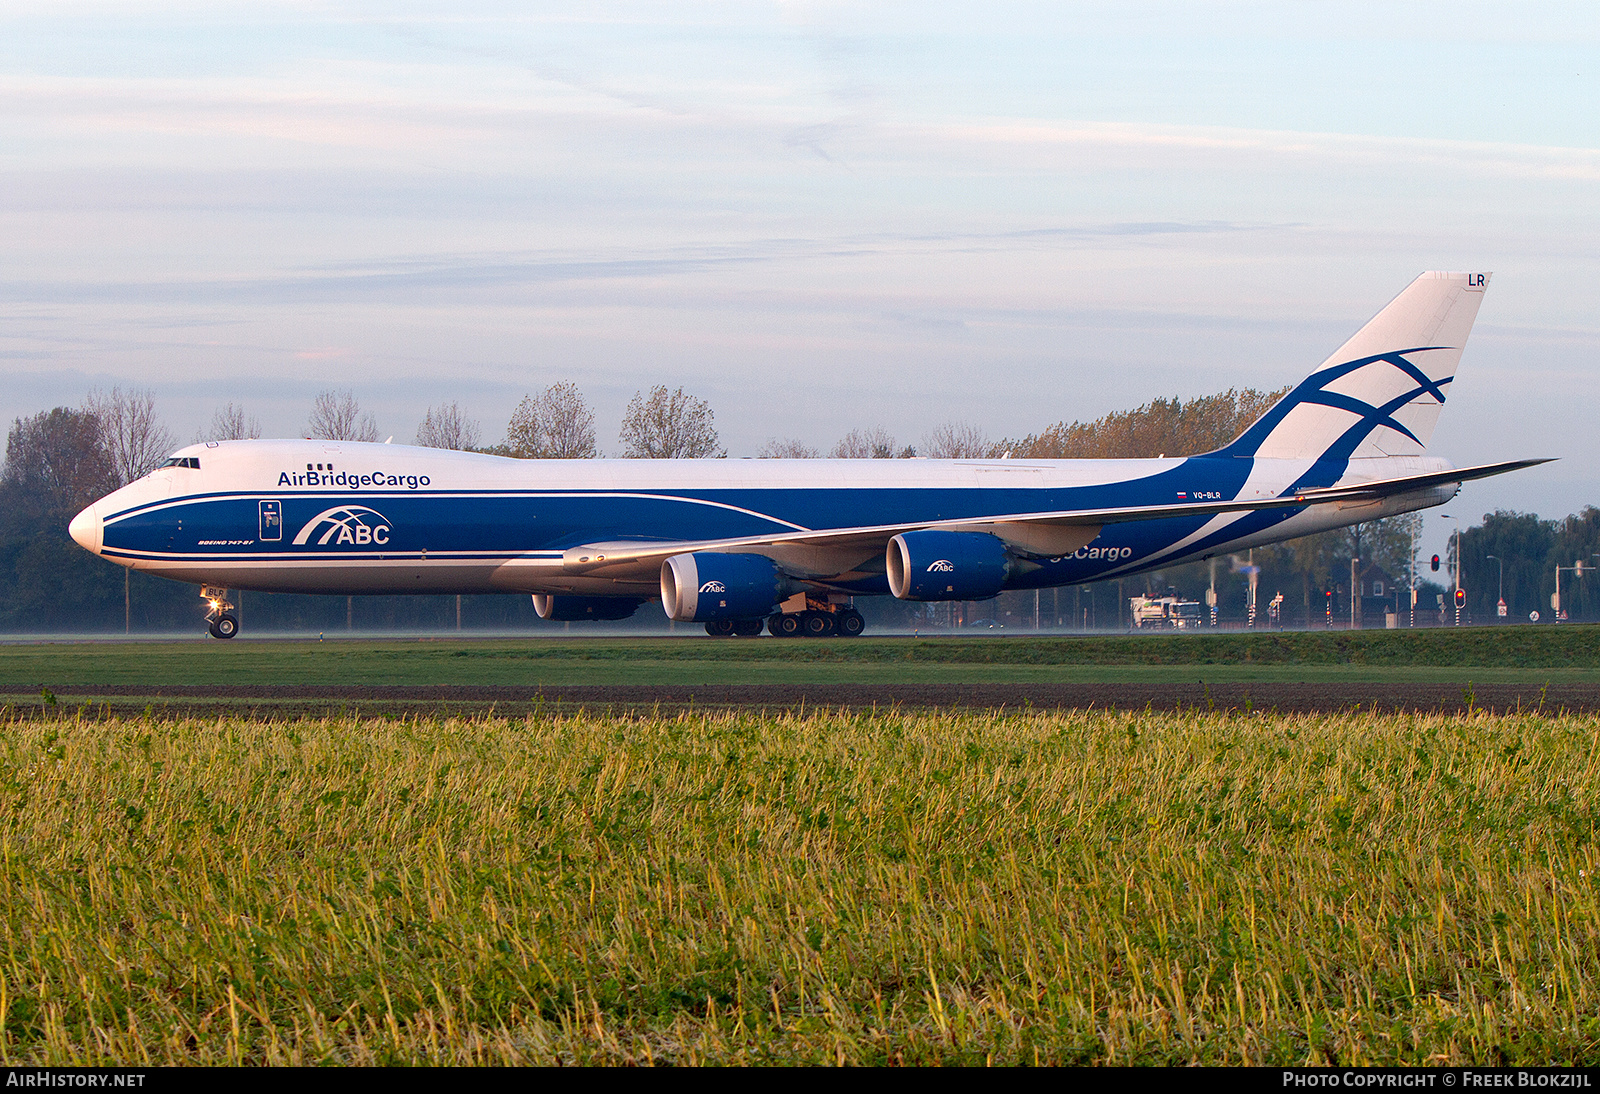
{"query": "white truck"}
pixel 1164 612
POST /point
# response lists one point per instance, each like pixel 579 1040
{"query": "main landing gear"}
pixel 219 612
pixel 727 628
pixel 818 618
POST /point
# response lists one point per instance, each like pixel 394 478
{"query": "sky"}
pixel 815 216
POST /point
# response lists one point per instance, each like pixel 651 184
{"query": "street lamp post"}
pixel 1355 581
pixel 1414 526
pixel 1447 516
pixel 1500 608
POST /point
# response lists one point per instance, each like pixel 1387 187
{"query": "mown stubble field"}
pixel 891 887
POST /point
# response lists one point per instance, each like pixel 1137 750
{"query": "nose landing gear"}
pixel 220 614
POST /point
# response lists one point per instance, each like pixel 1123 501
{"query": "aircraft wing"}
pixel 1047 534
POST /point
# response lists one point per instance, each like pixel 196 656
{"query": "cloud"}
pixel 1305 148
pixel 1045 213
pixel 404 277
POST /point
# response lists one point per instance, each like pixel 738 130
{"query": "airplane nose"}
pixel 88 529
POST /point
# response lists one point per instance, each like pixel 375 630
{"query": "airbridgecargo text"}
pixel 1110 553
pixel 351 479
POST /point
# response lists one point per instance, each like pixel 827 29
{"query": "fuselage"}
pixel 351 518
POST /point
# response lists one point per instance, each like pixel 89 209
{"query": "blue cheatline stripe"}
pixel 332 556
pixel 356 499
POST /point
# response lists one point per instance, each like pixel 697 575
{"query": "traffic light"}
pixel 1435 564
pixel 1461 598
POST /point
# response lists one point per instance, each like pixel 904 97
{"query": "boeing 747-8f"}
pixel 789 544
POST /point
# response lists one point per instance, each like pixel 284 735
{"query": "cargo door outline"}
pixel 271 519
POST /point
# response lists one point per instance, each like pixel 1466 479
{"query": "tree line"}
pixel 60 460
pixel 557 423
pixel 1517 554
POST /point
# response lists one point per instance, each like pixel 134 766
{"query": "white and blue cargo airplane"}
pixel 736 544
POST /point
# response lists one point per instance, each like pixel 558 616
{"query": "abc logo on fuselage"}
pixel 345 525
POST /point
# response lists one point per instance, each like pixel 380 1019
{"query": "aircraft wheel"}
pixel 784 625
pixel 720 628
pixel 747 627
pixel 224 626
pixel 817 624
pixel 851 623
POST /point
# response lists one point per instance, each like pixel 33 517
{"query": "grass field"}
pixel 1491 654
pixel 1061 888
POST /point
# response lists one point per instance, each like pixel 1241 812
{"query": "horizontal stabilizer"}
pixel 1388 488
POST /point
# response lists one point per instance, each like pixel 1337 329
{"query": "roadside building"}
pixel 1381 598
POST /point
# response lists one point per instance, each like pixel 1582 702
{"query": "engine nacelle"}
pixel 935 565
pixel 705 586
pixel 568 609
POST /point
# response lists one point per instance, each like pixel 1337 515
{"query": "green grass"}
pixel 907 888
pixel 1569 654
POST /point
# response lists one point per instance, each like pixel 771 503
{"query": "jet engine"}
pixel 707 586
pixel 567 609
pixel 935 565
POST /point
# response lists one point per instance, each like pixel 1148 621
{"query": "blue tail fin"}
pixel 1380 394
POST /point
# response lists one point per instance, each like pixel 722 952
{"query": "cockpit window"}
pixel 183 461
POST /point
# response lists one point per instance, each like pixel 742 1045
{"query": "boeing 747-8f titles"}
pixel 738 544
